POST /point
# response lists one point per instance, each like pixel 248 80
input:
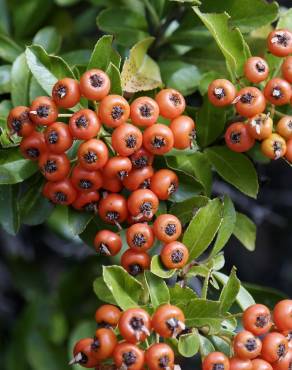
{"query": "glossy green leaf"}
pixel 210 123
pixel 78 220
pixel 9 50
pixel 200 270
pixel 157 288
pixel 229 40
pixel 103 54
pixel 20 78
pixel 201 312
pixel 188 188
pixel 245 231
pixel 66 2
pixel 227 226
pixel 140 72
pixel 127 33
pixel 102 291
pixel 158 269
pixel 4 17
pixel 49 38
pixel 115 77
pixel 14 168
pixel 229 292
pixel 221 345
pixel 5 79
pixel 186 209
pixel 46 69
pixel 203 228
pixel 265 295
pixel 9 208
pixel 243 298
pixel 125 289
pixel 180 75
pixel 234 168
pixel 206 346
pixel 34 208
pixel 245 14
pixel 189 344
pixel 181 296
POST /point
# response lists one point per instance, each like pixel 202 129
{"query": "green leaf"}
pixel 245 231
pixel 180 75
pixel 115 77
pixel 234 168
pixel 229 292
pixel 200 270
pixel 78 220
pixel 157 288
pixel 203 228
pixel 20 77
pixel 140 72
pixel 265 295
pixel 202 170
pixel 201 312
pixel 13 167
pixel 103 54
pixel 102 291
pixel 185 210
pixel 49 38
pixel 35 89
pixel 221 345
pixel 181 296
pixel 4 17
pixel 46 69
pixel 158 269
pixel 5 79
pixel 227 226
pixel 66 2
pixel 210 123
pixel 229 40
pixel 9 215
pixel 34 208
pixel 127 33
pixel 206 346
pixel 244 299
pixel 206 79
pixel 9 50
pixel 189 344
pixel 245 14
pixel 125 289
pixel 77 57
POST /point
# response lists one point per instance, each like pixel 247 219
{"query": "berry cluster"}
pixel 113 173
pixel 133 326
pixel 250 102
pixel 264 344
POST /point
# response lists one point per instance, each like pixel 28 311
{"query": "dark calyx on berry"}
pixel 50 166
pixel 246 98
pixel 146 208
pixel 177 256
pixel 95 345
pixel 281 351
pixel 96 80
pixel 158 142
pixel 163 362
pixel 60 197
pixel 170 229
pixel 277 92
pixel 84 359
pixel 103 250
pixel 81 122
pixel 16 124
pixel 90 207
pixel 145 184
pixel 135 269
pixel 139 240
pixel 145 110
pixel 90 157
pixel 219 93
pixel 282 38
pixel 262 321
pixel 112 216
pixel 172 188
pixel 85 184
pixel 33 152
pixel 137 323
pixel 172 324
pixel 235 137
pixel 289 124
pixel 117 112
pixel 140 162
pixel 260 67
pixel 53 137
pixel 131 141
pixel 61 91
pixel 129 358
pixel 218 367
pixel 250 344
pixel 43 111
pixel 175 99
pixel 122 174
